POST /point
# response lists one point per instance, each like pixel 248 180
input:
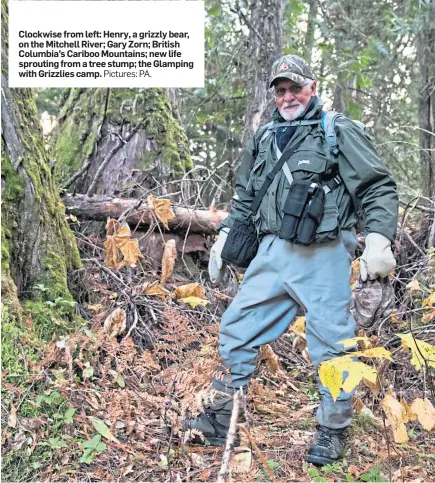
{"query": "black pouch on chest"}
pixel 303 212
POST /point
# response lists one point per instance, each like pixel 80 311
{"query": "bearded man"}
pixel 303 260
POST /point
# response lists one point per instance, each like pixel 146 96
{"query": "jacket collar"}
pixel 313 111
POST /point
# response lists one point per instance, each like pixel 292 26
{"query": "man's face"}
pixel 292 105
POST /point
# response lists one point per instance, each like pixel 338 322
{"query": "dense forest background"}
pixel 84 323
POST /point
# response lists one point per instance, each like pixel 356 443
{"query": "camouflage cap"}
pixel 291 67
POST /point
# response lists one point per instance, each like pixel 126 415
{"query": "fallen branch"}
pixel 223 473
pixel 99 208
pixel 258 453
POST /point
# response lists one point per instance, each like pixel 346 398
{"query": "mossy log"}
pixel 120 141
pixel 99 208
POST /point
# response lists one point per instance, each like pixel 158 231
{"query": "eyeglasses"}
pixel 294 89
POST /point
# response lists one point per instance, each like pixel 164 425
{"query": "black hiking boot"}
pixel 327 447
pixel 213 422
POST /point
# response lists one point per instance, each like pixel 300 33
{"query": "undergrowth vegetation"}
pixel 103 400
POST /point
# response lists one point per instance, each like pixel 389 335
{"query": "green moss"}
pixel 51 316
pixel 13 191
pixel 11 195
pixel 18 465
pixel 21 209
pixel 80 118
pixel 171 139
pixel 18 342
pixel 85 110
pixel 61 252
pixel 27 328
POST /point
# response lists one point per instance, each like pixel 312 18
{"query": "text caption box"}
pixel 106 44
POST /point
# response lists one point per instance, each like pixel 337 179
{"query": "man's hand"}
pixel 377 258
pixel 215 262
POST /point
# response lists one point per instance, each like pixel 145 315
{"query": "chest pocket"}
pixel 308 165
pixel 258 173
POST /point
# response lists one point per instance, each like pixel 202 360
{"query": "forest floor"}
pixel 98 404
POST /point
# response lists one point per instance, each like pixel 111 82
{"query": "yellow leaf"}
pixel 396 415
pixel 373 385
pixel 351 342
pixel 156 289
pixel 428 316
pixel 420 351
pixel 298 327
pixel 190 290
pixel 122 235
pixel 358 405
pixel 95 308
pixel 394 317
pixel 193 301
pixel 413 286
pixel 429 301
pixel 168 260
pixel 113 258
pixel 410 415
pixel 331 376
pixel 112 227
pixel 115 323
pixel 377 352
pixel 425 413
pixel 162 208
pixel 130 251
pixel 119 238
pixel 357 372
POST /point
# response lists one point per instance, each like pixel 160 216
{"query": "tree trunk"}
pixel 99 208
pixel 37 244
pixel 426 56
pixel 120 141
pixel 311 28
pixel 265 46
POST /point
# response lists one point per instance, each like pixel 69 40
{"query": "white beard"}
pixel 291 116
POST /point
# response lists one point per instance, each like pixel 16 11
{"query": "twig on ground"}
pixel 258 453
pixel 223 473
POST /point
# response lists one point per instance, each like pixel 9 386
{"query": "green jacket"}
pixel 367 187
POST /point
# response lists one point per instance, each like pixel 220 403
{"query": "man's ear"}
pixel 314 87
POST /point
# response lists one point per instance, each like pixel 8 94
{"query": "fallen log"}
pixel 99 208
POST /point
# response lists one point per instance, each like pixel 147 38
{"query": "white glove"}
pixel 215 262
pixel 377 258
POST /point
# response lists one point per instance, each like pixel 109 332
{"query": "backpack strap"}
pixel 328 126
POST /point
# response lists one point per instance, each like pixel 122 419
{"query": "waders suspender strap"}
pixel 328 126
